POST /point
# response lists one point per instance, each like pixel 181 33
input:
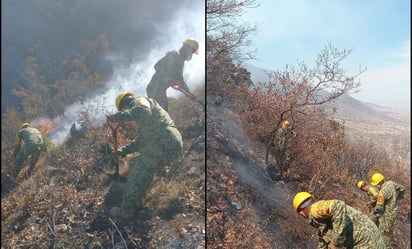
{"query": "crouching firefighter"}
pixel 158 142
pixel 29 143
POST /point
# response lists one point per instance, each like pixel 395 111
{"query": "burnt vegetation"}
pixel 245 208
pixel 65 203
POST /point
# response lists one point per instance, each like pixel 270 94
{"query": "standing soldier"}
pixel 339 225
pixel 159 144
pixel 169 72
pixel 284 136
pixel 386 208
pixel 29 143
pixel 372 198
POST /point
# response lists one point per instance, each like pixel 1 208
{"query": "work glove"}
pixel 401 195
pixel 378 210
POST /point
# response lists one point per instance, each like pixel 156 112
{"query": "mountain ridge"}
pixel 259 75
pixel 385 127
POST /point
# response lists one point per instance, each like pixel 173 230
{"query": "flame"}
pixel 44 125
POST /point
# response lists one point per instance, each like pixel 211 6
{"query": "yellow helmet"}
pixel 24 125
pixel 300 198
pixel 360 184
pixel 376 179
pixel 120 98
pixel 285 124
pixel 193 44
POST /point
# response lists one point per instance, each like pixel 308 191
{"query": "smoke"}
pixel 189 22
pixel 246 162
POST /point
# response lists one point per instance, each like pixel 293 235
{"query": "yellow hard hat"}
pixel 120 98
pixel 193 44
pixel 24 125
pixel 376 179
pixel 300 198
pixel 359 184
pixel 285 124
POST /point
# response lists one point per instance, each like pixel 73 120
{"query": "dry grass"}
pixel 65 203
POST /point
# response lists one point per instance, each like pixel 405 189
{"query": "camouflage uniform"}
pixel 372 197
pixel 169 70
pixel 283 137
pixel 387 208
pixel 343 226
pixel 29 142
pixel 158 141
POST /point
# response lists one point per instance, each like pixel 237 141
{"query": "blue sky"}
pixel 378 31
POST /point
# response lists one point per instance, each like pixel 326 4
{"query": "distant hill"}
pixel 347 107
pixel 364 122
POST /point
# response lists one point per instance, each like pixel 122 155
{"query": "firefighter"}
pixel 339 225
pixel 372 193
pixel 169 72
pixel 158 142
pixel 29 143
pixel 386 208
pixel 284 135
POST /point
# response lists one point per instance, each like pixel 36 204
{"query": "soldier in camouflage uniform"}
pixel 283 138
pixel 159 144
pixel 169 71
pixel 29 143
pixel 372 193
pixel 338 224
pixel 387 205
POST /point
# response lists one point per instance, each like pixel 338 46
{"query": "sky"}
pixel 378 32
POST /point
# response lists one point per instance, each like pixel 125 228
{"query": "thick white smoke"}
pixel 190 24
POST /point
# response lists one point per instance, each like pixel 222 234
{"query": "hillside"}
pixel 245 209
pixel 65 203
pixel 365 122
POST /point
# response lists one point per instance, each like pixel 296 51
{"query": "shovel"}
pixel 115 159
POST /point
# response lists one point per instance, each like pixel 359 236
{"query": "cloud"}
pixel 393 82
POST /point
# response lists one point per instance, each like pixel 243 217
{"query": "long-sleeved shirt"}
pixel 153 123
pixel 387 198
pixel 342 225
pixel 169 70
pixel 32 139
